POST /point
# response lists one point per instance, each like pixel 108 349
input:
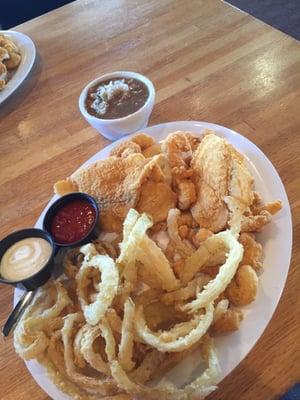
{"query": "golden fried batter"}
pixel 186 194
pixel 178 149
pixel 14 60
pixel 255 223
pixel 211 163
pixel 152 150
pixel 220 174
pixel 143 140
pixel 259 215
pixel 156 199
pixel 8 44
pixel 116 183
pixel 138 144
pixel 243 288
pixel 125 148
pixel 273 207
pixel 3 54
pixel 252 251
pixel 186 218
pixel 65 186
pixel 200 236
pixel 228 322
pixel 10 58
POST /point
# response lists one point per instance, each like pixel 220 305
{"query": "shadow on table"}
pixel 18 98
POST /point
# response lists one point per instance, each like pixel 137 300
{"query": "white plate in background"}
pixel 276 239
pixel 28 54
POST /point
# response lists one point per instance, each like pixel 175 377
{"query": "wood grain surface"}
pixel 208 62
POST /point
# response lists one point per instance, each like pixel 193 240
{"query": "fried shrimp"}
pixel 229 321
pixel 255 223
pixel 252 251
pixel 243 288
pixel 200 236
pixel 178 148
pixel 143 140
pixel 186 194
pixel 125 148
pixel 152 150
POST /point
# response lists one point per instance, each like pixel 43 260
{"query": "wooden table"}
pixel 208 62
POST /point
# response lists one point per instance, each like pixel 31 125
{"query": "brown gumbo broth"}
pixel 116 98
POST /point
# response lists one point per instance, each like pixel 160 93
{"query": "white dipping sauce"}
pixel 25 258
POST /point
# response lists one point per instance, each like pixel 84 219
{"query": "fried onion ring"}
pixel 178 338
pixel 30 339
pixel 137 246
pixel 90 334
pixel 105 386
pixel 226 272
pixel 199 388
pixel 126 345
pixel 107 289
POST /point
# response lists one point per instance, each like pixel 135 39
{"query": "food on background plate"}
pixel 25 258
pixel 132 305
pixel 116 98
pixel 3 74
pixel 10 58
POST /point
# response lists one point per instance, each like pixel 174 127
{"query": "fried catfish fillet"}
pixel 220 174
pixel 211 165
pixel 116 183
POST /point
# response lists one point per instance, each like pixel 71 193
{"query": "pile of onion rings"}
pixel 103 330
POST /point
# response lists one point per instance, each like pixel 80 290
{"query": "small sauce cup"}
pixel 42 276
pixel 114 129
pixel 55 218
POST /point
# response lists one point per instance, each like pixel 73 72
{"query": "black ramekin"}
pixel 62 201
pixel 40 277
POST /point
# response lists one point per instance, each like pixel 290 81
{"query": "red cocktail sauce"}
pixel 73 222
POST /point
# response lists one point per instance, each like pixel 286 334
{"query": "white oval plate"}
pixel 28 53
pixel 277 245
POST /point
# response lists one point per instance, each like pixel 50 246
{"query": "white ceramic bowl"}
pixel 114 129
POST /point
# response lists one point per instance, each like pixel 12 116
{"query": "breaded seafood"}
pixel 10 58
pixel 120 183
pixel 220 174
